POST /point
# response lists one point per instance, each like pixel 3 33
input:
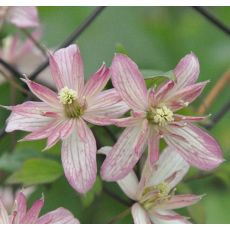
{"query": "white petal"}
pixel 170 167
pixel 140 216
pixel 129 185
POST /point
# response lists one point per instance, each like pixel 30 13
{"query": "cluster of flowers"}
pixel 64 115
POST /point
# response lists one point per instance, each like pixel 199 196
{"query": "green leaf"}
pixel 36 171
pixel 89 197
pixel 156 77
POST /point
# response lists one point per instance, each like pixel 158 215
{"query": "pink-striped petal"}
pixel 180 201
pixel 97 81
pixel 163 90
pixel 104 107
pixel 32 214
pixel 161 216
pixel 129 82
pixel 153 147
pixel 178 117
pixel 170 168
pixel 67 68
pixel 181 98
pixel 23 16
pixel 79 158
pixel 187 71
pixel 105 116
pixel 127 121
pixel 58 216
pixel 196 146
pixel 125 153
pixel 32 107
pixel 140 216
pixel 129 185
pixel 20 207
pixel 44 93
pixel 26 123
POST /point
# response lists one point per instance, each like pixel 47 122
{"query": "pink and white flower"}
pixel 153 118
pixel 154 194
pixel 20 16
pixel 23 55
pixel 21 215
pixel 63 115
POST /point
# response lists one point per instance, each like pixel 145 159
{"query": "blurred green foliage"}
pixel 156 38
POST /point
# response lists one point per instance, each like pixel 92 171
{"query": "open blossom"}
pixel 20 16
pixel 23 55
pixel 153 117
pixel 154 195
pixel 21 215
pixel 62 115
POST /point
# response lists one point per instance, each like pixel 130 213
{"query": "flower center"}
pixel 154 195
pixel 72 107
pixel 160 115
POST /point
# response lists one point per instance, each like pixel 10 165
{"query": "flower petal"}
pixel 167 217
pixel 125 153
pixel 153 147
pixel 163 90
pixel 104 106
pixel 33 213
pixel 170 168
pixel 140 216
pixel 4 218
pixel 25 123
pixel 129 82
pixel 197 147
pixel 44 93
pixel 79 158
pixel 181 98
pixel 23 16
pixel 187 71
pixel 58 216
pixel 97 81
pixel 67 68
pixel 32 107
pixel 20 207
pixel 129 185
pixel 180 201
pixel 184 118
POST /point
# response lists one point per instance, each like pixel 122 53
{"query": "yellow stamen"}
pixel 72 107
pixel 67 96
pixel 160 116
pixel 154 195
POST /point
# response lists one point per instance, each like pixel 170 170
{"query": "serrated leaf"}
pixel 89 197
pixel 36 171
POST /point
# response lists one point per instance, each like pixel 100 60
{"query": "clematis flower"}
pixel 154 195
pixel 63 115
pixel 21 215
pixel 153 117
pixel 20 16
pixel 22 54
